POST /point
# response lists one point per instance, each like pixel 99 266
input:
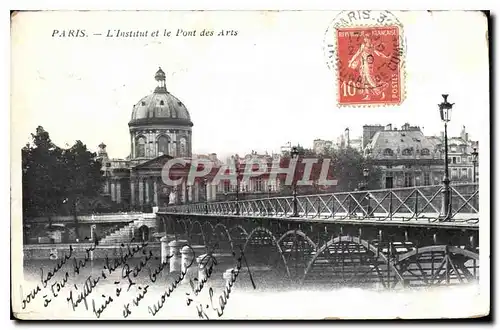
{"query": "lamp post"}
pixel 474 164
pixel 237 165
pixel 269 190
pixel 366 173
pixel 108 187
pixel 445 112
pixel 188 187
pixel 294 153
pixel 205 182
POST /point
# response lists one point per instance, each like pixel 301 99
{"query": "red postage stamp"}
pixel 368 64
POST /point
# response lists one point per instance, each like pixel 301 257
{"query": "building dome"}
pixel 161 107
pixel 160 125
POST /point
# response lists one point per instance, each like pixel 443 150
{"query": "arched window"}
pixel 388 152
pixel 163 144
pixel 183 147
pixel 425 152
pixel 141 147
pixel 407 152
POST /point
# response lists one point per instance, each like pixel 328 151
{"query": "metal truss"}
pixel 378 257
pixel 400 204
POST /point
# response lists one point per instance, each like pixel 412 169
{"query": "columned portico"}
pixel 141 192
pixel 132 192
pixel 118 192
pixel 147 201
pixel 155 192
pixel 113 191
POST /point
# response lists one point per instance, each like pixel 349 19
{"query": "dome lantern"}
pixel 160 78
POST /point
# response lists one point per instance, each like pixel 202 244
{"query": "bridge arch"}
pixel 225 231
pixel 364 243
pixel 200 227
pixel 186 230
pixel 438 248
pixel 270 234
pixel 240 227
pixel 298 233
pixel 448 259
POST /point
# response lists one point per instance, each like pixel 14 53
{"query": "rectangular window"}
pixel 454 160
pixel 454 173
pixel 408 180
pixel 427 179
pixel 458 160
pixel 258 186
pixel 464 173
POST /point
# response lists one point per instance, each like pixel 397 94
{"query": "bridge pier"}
pixel 175 254
pixel 228 274
pixel 187 261
pixel 164 249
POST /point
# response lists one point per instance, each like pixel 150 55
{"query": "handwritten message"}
pixel 137 279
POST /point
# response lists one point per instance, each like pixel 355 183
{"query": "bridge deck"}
pixel 414 206
pixel 468 222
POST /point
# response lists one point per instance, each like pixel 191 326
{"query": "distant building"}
pixel 409 158
pixel 256 186
pixel 319 146
pixel 460 159
pixel 343 141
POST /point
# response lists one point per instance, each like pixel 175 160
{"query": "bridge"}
pixel 388 238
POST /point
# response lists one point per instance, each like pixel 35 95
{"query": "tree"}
pixel 348 166
pixel 82 176
pixel 41 189
pixel 55 178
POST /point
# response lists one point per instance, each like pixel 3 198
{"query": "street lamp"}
pixel 445 112
pixel 205 182
pixel 474 164
pixel 366 173
pixel 269 190
pixel 294 153
pixel 108 187
pixel 237 165
pixel 188 188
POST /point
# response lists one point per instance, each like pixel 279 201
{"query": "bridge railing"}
pixel 423 202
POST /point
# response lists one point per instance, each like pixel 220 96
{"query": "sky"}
pixel 257 90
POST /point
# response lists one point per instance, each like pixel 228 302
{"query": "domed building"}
pixel 160 129
pixel 160 125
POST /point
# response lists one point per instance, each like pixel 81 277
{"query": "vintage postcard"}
pixel 206 165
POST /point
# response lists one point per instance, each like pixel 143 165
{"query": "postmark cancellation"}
pixel 366 51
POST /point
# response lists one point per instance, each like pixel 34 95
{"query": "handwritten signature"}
pixel 224 297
